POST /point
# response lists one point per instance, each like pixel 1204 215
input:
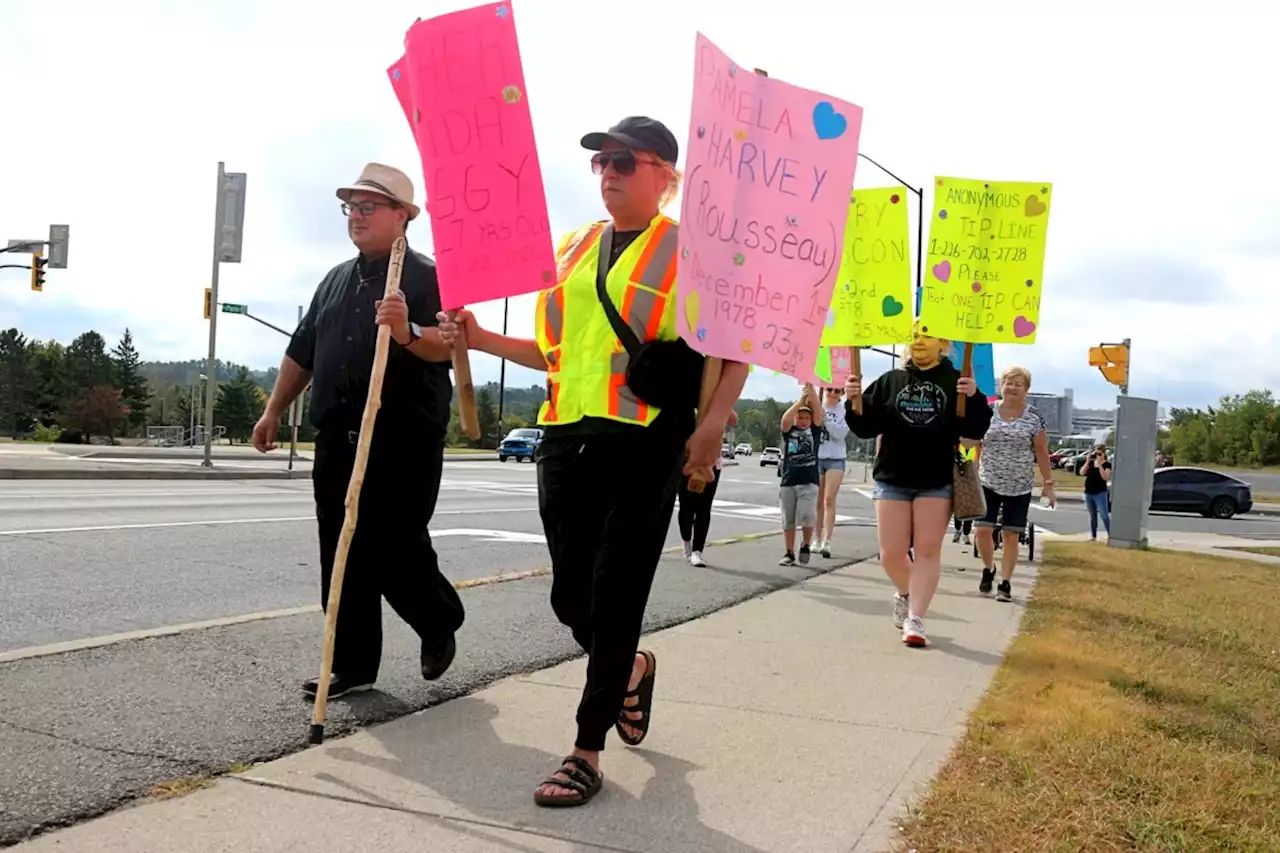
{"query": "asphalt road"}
pixel 86 730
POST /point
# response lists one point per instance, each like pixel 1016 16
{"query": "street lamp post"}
pixel 919 193
pixel 191 439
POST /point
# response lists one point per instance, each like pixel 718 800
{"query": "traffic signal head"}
pixel 1113 362
pixel 208 302
pixel 37 272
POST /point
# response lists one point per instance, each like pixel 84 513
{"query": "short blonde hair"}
pixel 1016 373
pixel 674 177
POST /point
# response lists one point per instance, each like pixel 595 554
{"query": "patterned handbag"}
pixel 968 502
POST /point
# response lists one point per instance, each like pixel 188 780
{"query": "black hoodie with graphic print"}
pixel 915 412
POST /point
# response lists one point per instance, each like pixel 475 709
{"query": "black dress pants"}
pixel 391 555
pixel 606 503
pixel 694 516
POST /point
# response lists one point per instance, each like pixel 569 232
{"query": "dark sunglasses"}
pixel 624 162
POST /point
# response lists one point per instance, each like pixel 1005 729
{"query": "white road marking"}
pixel 866 493
pixel 98 528
pixel 493 535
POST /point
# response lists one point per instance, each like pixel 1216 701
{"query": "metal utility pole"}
pixel 502 370
pixel 228 234
pixel 295 410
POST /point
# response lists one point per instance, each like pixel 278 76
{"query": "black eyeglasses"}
pixel 365 208
pixel 624 162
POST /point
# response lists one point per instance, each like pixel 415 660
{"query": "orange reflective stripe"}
pixel 657 265
pixel 553 322
pixel 553 399
pixel 574 251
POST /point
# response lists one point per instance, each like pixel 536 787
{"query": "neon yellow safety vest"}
pixel 586 363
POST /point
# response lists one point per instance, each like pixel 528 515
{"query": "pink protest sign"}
pixel 461 85
pixel 766 197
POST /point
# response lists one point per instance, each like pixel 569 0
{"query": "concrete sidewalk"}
pixel 796 721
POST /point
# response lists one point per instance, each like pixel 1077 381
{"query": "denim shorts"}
pixel 1009 512
pixel 825 465
pixel 888 492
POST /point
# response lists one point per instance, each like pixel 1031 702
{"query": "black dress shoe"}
pixel 339 685
pixel 437 657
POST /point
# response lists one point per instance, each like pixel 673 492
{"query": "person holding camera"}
pixel 1097 474
pixel 619 431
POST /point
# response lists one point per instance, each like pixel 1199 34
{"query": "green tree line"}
pixel 84 391
pixel 1243 430
pixel 80 392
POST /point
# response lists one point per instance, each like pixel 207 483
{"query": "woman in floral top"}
pixel 1015 443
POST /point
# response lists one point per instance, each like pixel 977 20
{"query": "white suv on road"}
pixel 771 456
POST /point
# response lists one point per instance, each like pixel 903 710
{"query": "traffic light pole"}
pixel 1128 370
pixel 211 365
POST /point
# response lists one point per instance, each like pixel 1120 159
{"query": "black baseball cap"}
pixel 639 133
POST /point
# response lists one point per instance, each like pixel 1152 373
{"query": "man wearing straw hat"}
pixel 391 555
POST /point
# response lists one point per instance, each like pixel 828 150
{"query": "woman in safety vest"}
pixel 610 463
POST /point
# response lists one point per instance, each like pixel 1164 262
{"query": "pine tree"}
pixel 240 404
pixel 134 392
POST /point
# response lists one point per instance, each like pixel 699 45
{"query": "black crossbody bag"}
pixel 666 374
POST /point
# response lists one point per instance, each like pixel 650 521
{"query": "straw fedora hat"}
pixel 385 181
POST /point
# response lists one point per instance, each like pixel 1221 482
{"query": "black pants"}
pixel 391 554
pixel 966 525
pixel 694 517
pixel 606 504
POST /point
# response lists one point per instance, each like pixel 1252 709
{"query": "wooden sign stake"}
pixel 966 369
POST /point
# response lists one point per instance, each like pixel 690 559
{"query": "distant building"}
pixel 1090 420
pixel 1058 412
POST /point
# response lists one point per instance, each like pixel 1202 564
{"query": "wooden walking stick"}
pixel 467 416
pixel 371 405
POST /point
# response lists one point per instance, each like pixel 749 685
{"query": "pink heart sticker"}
pixel 977 287
pixel 942 271
pixel 1022 327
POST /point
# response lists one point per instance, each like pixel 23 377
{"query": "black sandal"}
pixel 580 777
pixel 644 692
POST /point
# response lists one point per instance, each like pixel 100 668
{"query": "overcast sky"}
pixel 1145 117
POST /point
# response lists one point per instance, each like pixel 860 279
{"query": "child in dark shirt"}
pixel 798 491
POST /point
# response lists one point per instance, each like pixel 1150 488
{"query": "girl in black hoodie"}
pixel 913 409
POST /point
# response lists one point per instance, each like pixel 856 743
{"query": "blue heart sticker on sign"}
pixel 828 123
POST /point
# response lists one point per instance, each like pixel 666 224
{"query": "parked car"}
pixel 1210 493
pixel 519 444
pixel 743 449
pixel 771 456
pixel 726 450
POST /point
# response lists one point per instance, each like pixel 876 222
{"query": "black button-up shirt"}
pixel 336 341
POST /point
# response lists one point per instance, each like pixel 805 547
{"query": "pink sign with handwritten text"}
pixel 766 196
pixel 461 85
